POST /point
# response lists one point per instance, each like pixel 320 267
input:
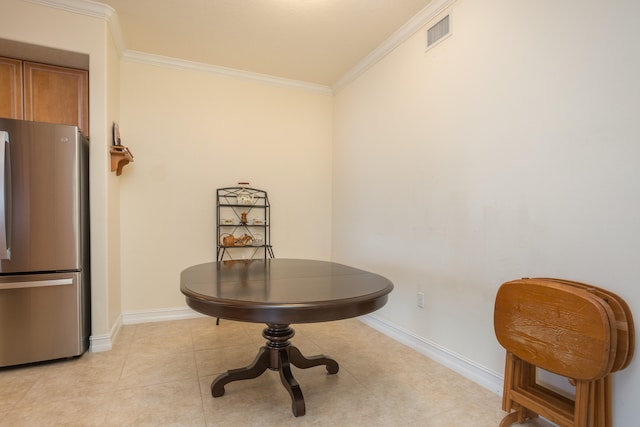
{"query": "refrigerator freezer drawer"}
pixel 41 318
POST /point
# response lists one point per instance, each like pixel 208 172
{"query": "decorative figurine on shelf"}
pixel 244 240
pixel 244 197
pixel 243 218
pixel 227 240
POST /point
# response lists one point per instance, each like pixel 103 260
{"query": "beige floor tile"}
pixel 215 361
pixel 142 369
pixel 159 374
pixel 385 358
pixel 172 342
pixel 335 337
pixel 330 402
pixel 15 382
pixel 125 334
pixel 111 360
pixel 175 327
pixel 208 335
pixel 316 381
pixel 82 412
pixel 175 403
pixel 413 395
pixel 71 379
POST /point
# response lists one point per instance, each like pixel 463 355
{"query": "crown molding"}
pixel 107 13
pixel 82 7
pixel 396 39
pixel 151 59
pixel 93 9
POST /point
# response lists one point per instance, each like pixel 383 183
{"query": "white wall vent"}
pixel 438 32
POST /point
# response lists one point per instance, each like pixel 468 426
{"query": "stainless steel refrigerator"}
pixel 44 242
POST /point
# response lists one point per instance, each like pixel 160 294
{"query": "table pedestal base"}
pixel 277 355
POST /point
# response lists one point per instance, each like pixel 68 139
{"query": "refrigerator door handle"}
pixel 5 196
pixel 36 284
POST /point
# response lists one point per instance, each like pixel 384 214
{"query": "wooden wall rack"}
pixel 120 157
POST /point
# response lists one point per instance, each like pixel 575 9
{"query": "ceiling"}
pixel 312 41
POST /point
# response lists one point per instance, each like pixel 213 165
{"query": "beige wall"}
pixel 113 240
pixel 509 150
pixel 44 26
pixel 194 131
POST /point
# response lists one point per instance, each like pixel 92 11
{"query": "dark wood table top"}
pixel 282 291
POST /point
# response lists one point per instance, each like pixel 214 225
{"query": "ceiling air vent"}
pixel 438 32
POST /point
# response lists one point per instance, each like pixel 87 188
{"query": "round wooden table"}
pixel 280 292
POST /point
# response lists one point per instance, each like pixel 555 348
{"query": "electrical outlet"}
pixel 421 299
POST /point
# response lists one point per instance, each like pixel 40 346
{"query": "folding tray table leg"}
pixel 581 409
pixel 606 392
pixel 592 409
pixel 509 379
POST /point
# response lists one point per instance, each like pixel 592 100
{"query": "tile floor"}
pixel 158 374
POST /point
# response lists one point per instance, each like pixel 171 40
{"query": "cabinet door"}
pixel 10 88
pixel 56 95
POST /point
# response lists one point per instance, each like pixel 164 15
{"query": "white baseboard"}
pixel 467 368
pixel 458 363
pixel 98 343
pixel 104 342
pixel 158 315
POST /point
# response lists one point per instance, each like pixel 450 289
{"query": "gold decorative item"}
pixel 227 240
pixel 231 240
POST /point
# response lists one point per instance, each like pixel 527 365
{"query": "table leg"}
pixel 292 386
pixel 298 360
pixel 277 355
pixel 259 365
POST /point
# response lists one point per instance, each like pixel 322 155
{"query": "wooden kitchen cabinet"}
pixel 44 93
pixel 11 88
pixel 56 95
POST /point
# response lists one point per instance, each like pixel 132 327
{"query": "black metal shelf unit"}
pixel 243 223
